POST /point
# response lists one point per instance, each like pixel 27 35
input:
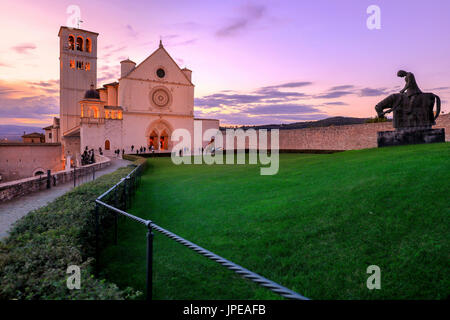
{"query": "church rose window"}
pixel 160 73
pixel 160 97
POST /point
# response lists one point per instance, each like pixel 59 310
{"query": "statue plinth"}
pixel 415 135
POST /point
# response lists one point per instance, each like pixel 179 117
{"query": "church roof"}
pixel 82 30
pixel 115 83
pixel 127 60
pixel 92 94
pixel 33 135
pixel 74 132
pixel 161 47
pixel 113 107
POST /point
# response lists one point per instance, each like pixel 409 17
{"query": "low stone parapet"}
pixel 17 188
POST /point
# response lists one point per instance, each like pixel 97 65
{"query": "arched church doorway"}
pixel 107 145
pixel 164 141
pixel 153 140
pixel 158 132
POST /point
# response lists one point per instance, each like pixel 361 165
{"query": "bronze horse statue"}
pixel 416 111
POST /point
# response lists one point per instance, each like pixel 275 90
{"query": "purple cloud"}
pixel 289 85
pixel 334 94
pixel 342 87
pixel 278 109
pixel 370 92
pixel 131 32
pixel 244 118
pixel 36 107
pixel 336 103
pixel 250 14
pixel 24 48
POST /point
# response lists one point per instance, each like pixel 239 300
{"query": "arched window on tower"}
pixel 79 43
pixel 88 45
pixel 71 42
pixel 107 145
pixel 93 112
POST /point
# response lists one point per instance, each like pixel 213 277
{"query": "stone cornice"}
pixel 150 113
pixel 158 82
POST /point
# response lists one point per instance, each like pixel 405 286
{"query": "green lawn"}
pixel 314 227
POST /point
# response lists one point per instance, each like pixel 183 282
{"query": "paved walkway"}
pixel 13 210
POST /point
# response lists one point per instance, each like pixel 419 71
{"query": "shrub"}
pixel 41 245
pixel 136 159
pixel 376 119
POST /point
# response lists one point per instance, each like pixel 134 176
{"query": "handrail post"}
pixel 49 183
pixel 149 284
pixel 97 231
pixel 125 195
pixel 74 178
pixel 116 201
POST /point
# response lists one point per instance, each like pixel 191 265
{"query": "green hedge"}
pixel 35 256
pixel 376 120
pixel 135 158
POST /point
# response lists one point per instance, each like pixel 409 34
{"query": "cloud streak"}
pixel 250 14
pixel 24 48
pixel 269 103
pixel 27 102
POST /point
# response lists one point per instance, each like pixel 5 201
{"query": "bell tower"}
pixel 78 71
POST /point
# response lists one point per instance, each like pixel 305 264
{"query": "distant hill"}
pixel 15 132
pixel 333 121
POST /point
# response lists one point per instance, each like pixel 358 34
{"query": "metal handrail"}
pixel 245 273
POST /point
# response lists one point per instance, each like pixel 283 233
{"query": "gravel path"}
pixel 13 210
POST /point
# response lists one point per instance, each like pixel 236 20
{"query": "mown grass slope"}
pixel 314 227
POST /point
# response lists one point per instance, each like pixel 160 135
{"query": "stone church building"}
pixel 141 109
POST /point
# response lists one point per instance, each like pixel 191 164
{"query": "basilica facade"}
pixel 141 109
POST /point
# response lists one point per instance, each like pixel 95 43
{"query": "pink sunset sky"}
pixel 253 62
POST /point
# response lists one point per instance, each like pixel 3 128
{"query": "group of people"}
pixel 143 149
pixel 117 152
pixel 87 157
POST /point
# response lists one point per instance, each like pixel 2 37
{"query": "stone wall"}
pixel 23 160
pixel 348 137
pixel 71 146
pixel 18 188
